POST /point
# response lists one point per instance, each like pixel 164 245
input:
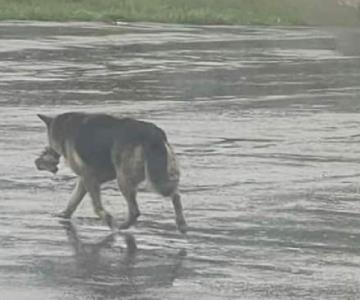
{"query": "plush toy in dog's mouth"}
pixel 48 160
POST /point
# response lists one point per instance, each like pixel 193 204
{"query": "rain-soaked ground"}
pixel 266 124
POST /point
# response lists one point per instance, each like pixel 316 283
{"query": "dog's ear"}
pixel 47 120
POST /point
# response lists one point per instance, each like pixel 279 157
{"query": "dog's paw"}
pixel 131 221
pixel 124 225
pixel 110 221
pixel 62 215
pixel 182 226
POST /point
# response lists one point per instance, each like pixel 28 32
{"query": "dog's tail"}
pixel 161 166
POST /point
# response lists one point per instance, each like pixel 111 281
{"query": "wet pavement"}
pixel 265 122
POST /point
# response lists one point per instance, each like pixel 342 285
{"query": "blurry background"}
pixel 265 12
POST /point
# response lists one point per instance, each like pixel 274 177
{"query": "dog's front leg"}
pixel 76 197
pixel 93 188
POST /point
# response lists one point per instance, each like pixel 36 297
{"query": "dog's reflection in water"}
pixel 89 256
pixel 125 268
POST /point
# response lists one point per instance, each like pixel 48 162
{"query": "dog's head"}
pixel 62 128
pixel 54 132
pixel 49 159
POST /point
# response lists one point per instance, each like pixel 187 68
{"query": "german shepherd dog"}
pixel 99 148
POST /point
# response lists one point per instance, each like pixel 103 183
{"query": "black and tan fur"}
pixel 100 148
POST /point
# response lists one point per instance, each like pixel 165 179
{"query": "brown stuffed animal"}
pixel 48 160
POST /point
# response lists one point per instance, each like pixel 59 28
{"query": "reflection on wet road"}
pixel 266 125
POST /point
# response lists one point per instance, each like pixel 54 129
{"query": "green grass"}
pixel 264 12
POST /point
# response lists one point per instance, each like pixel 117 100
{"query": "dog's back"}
pixel 99 140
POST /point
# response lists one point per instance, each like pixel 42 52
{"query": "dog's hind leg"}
pixel 129 192
pixel 93 188
pixel 130 171
pixel 179 216
pixel 163 172
pixel 76 197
